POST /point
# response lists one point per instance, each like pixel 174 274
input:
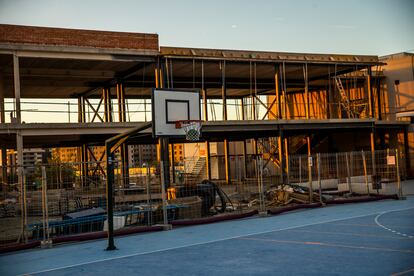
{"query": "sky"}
pixel 372 27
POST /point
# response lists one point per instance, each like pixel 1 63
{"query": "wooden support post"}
pixel 308 142
pixel 227 161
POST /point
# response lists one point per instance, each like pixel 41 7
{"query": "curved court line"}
pixel 389 229
pixel 403 272
pixel 202 243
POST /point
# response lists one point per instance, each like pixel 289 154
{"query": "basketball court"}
pixel 373 238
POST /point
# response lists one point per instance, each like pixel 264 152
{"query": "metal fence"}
pixel 60 200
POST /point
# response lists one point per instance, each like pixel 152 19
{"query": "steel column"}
pixel 120 93
pixel 308 142
pixel 16 74
pixel 3 120
pixel 277 91
pixel 305 76
pixel 227 160
pixel 208 164
pixel 282 148
pixel 286 142
pixel 407 152
pixel 379 97
pixel 164 154
pixel 204 91
pixel 370 96
pixel 84 164
pixel 223 89
pixel 172 162
pixel 81 110
pixel 107 104
pixel 110 158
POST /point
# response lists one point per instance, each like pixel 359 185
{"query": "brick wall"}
pixel 82 38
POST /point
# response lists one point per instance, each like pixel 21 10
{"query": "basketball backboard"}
pixel 169 106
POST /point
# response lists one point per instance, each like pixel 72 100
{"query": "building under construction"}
pixel 64 93
pixel 307 102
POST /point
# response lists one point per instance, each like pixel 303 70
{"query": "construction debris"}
pixel 8 208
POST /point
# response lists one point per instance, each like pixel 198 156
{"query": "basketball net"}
pixel 192 129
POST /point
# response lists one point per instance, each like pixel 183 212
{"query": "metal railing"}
pixel 139 110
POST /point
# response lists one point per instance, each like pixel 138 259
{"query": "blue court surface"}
pixel 374 238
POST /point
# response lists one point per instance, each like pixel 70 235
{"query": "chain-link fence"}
pixel 62 200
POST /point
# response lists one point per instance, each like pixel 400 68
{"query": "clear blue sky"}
pixel 376 27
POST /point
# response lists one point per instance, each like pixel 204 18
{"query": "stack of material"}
pixel 8 208
pixel 54 198
pixel 191 207
pixel 289 194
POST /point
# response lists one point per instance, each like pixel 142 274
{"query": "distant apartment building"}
pixel 399 93
pixel 66 155
pixel 31 158
pixel 139 154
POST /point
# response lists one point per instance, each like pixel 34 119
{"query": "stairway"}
pixel 197 172
pixel 344 98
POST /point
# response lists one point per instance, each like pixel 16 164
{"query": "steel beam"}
pixel 214 54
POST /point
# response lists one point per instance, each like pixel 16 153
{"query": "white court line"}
pixel 389 229
pixel 206 242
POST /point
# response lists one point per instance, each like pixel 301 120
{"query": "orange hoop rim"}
pixel 182 123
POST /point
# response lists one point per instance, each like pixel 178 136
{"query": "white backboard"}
pixel 169 106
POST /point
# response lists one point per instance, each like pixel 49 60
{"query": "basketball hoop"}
pixel 192 129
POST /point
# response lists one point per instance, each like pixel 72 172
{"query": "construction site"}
pixel 267 132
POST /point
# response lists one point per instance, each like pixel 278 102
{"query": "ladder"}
pixel 344 98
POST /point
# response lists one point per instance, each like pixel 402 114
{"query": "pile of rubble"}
pixel 287 194
pixel 8 208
